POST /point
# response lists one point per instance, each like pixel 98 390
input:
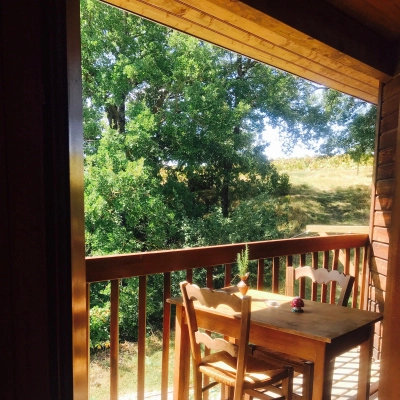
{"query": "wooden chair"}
pixel 320 276
pixel 229 363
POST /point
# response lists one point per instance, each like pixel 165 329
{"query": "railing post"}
pixel 356 273
pixel 260 274
pixel 142 337
pixel 117 267
pixel 275 274
pixel 228 274
pixel 114 339
pixel 182 359
pixel 166 336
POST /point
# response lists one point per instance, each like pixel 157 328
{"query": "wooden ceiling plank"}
pixel 267 38
pixel 332 28
pixel 375 14
pixel 228 33
pixel 247 15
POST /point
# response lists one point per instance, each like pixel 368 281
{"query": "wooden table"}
pixel 319 334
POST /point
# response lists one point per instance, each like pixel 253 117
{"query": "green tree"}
pixel 207 106
pixel 334 124
pixel 174 146
pixel 124 204
pixel 353 126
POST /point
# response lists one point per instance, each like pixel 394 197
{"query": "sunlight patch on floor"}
pixel 345 377
pixel 344 380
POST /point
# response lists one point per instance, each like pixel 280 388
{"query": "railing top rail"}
pixel 102 268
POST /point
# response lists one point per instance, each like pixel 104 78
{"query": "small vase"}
pixel 243 286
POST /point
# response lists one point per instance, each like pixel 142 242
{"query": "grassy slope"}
pixel 327 191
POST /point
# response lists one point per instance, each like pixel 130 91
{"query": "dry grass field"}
pixel 327 191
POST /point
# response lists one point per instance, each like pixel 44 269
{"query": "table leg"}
pixel 364 370
pixel 182 357
pixel 323 373
pixel 328 379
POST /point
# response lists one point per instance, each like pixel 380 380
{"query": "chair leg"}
pixel 287 385
pixel 226 392
pixel 197 383
pixel 223 391
pixel 308 380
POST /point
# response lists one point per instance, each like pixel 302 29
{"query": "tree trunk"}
pixel 225 198
pixel 121 117
pixel 116 116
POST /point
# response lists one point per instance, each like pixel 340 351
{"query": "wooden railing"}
pixel 347 253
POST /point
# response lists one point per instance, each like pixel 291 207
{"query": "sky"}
pixel 274 150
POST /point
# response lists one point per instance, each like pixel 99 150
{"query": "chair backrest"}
pixel 227 303
pixel 320 276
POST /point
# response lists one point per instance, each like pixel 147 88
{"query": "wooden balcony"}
pixel 344 381
pixel 347 253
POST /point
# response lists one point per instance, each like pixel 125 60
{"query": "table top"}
pixel 318 321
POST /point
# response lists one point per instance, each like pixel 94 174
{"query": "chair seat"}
pixel 221 366
pixel 284 358
pixel 300 366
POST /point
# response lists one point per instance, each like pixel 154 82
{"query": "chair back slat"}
pixel 213 298
pixel 216 344
pixel 321 277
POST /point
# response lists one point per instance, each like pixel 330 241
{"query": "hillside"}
pixel 327 191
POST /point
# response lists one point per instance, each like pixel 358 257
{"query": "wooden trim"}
pixel 386 155
pixel 141 359
pixel 383 203
pixel 243 29
pixel 385 171
pixel 337 228
pixel 328 25
pixel 275 274
pixel 6 248
pixel 379 265
pixel 166 336
pixel 228 274
pixel 75 185
pixel 389 387
pixel 127 265
pixel 44 283
pixel 381 234
pixel 364 277
pixel 383 218
pixel 380 250
pixel 114 339
pixel 260 274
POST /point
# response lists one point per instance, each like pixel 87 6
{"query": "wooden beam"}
pixel 389 387
pixel 325 23
pixel 337 229
pixel 246 30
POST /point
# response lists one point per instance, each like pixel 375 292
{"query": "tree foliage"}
pixel 338 124
pixel 174 144
pixel 172 131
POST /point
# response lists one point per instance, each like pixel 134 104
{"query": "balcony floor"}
pixel 345 377
pixel 344 380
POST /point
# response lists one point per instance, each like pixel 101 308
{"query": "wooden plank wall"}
pixel 382 201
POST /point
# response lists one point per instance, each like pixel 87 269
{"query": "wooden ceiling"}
pixel 348 45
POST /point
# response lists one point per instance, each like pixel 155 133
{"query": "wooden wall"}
pixel 382 199
pixel 42 268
